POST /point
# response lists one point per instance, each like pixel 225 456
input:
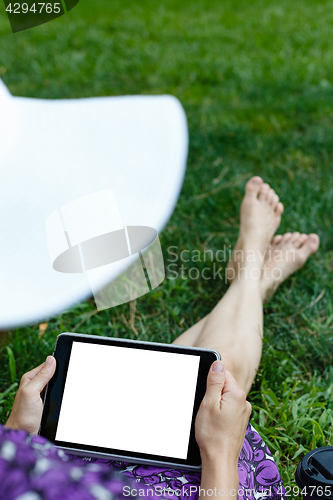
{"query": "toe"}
pixel 303 237
pixel 295 237
pixel 271 197
pixel 309 247
pixel 264 190
pixel 253 185
pixel 286 237
pixel 276 200
pixel 276 240
pixel 311 243
pixel 279 208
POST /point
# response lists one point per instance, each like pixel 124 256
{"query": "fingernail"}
pixel 48 361
pixel 217 367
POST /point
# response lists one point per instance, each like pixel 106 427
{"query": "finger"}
pixel 215 382
pixel 232 389
pixel 231 386
pixel 230 382
pixel 30 375
pixel 44 375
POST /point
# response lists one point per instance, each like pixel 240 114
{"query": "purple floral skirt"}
pixel 258 474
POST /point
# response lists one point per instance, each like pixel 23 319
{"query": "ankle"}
pixel 267 290
pixel 245 271
pixel 248 252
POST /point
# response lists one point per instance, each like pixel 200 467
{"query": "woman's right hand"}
pixel 222 418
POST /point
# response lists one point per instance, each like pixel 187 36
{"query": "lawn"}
pixel 256 81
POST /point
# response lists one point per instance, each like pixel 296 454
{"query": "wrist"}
pixel 11 424
pixel 220 467
pixel 219 459
pixel 221 476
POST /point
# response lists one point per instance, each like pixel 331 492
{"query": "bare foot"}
pixel 284 256
pixel 260 216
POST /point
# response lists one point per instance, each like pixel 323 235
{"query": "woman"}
pixel 235 461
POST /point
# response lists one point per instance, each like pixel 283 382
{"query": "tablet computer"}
pixel 126 400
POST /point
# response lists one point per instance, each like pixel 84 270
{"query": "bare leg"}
pixel 235 329
pixel 235 326
pixel 190 336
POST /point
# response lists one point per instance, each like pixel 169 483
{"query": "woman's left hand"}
pixel 27 409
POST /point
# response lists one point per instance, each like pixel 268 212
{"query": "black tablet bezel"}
pixel 55 390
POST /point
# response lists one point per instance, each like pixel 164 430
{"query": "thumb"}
pixel 215 381
pixel 44 375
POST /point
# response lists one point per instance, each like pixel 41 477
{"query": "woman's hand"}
pixel 220 430
pixel 27 409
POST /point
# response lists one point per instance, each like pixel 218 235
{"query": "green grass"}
pixel 256 81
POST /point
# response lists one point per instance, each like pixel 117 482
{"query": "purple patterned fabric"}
pixel 259 477
pixel 31 468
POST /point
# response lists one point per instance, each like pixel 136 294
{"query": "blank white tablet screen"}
pixel 128 399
